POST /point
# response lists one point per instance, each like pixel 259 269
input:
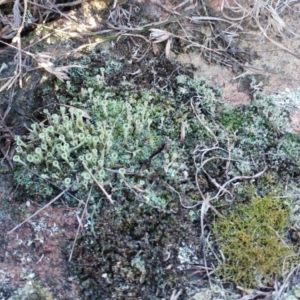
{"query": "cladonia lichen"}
pixel 124 136
pixel 157 152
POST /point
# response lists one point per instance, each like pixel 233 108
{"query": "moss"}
pixel 289 145
pixel 251 239
pixel 136 255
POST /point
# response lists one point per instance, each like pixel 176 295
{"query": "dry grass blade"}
pixel 14 24
pixel 17 16
pixel 8 84
pixel 181 4
pixel 197 20
pixel 158 36
pixel 265 15
pixel 175 295
pixel 168 48
pixel 202 122
pixel 286 282
pixel 235 179
pixel 5 1
pixel 204 209
pixel 17 38
pixel 243 17
pixel 276 43
pixel 257 295
pixel 7 33
pixel 42 59
pixel 80 225
pixel 98 184
pixel 59 72
pixel 275 20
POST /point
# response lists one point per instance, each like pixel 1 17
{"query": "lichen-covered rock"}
pixel 157 151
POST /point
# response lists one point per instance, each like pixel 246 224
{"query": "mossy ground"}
pixel 253 239
pixel 131 249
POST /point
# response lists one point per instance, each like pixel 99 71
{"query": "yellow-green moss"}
pixel 252 241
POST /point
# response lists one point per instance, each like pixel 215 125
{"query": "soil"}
pixel 39 250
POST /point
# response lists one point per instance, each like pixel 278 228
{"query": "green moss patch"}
pixel 252 240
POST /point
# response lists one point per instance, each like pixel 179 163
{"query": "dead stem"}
pixel 202 123
pixel 175 295
pixel 80 225
pixel 98 184
pixel 286 282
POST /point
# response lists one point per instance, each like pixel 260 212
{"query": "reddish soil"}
pixel 37 251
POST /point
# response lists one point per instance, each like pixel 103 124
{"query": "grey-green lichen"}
pixel 214 292
pixel 134 134
pixel 125 134
pixel 293 293
pixel 278 107
pixel 31 291
pixel 117 136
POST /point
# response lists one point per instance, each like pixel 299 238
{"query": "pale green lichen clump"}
pixel 72 138
pixel 111 135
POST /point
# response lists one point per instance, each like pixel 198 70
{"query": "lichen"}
pixel 277 108
pixel 155 147
pixel 31 291
pixel 122 135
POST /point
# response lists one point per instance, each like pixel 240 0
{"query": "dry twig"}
pixel 175 295
pixel 80 225
pixel 98 184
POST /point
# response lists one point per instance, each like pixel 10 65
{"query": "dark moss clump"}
pixel 251 239
pixel 131 252
pixel 32 184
